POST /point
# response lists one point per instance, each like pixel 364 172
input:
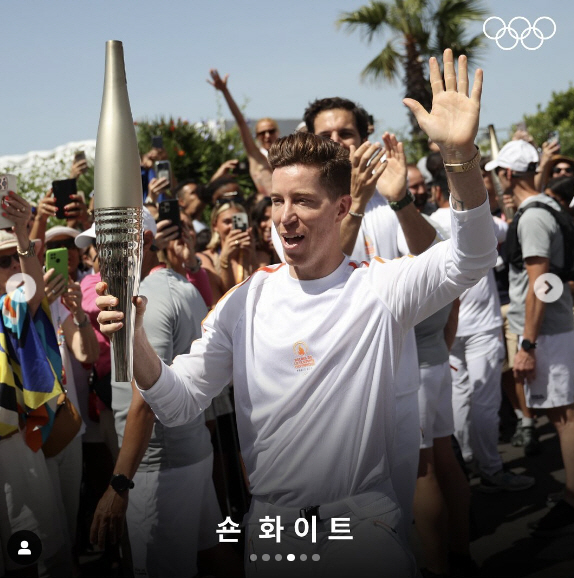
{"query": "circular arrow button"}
pixel 548 287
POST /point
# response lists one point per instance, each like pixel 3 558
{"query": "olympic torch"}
pixel 118 204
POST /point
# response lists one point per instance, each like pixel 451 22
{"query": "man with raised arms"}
pixel 312 349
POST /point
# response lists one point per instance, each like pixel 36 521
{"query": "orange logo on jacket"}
pixel 302 356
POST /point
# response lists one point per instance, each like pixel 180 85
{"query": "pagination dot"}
pixel 265 557
pixel 290 557
pixel 278 557
pixel 253 557
pixel 316 557
pixel 303 557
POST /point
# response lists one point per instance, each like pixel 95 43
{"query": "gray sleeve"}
pixel 535 230
pixel 159 324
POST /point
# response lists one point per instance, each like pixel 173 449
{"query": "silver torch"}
pixel 118 205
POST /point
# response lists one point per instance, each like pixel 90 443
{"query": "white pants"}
pixel 27 502
pixel 376 549
pixel 172 514
pixel 65 471
pixel 405 459
pixel 476 362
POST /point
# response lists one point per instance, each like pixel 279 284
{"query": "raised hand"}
pixel 366 169
pixel 216 81
pixel 453 121
pixel 393 182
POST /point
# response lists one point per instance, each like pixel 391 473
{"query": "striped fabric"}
pixel 30 370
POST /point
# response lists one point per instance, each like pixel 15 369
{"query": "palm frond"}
pixel 385 66
pixel 368 19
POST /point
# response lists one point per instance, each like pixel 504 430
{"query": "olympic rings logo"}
pixel 519 37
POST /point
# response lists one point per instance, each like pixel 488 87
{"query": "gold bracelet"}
pixel 29 252
pixel 358 215
pixel 463 167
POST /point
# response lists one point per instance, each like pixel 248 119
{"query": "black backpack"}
pixel 566 224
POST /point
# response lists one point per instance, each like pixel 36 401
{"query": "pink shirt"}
pixel 88 284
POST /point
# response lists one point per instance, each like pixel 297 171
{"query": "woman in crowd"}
pixel 262 223
pixel 231 252
pixel 31 367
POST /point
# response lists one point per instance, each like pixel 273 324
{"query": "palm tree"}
pixel 418 29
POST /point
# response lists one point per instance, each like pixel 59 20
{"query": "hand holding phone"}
pixel 240 221
pixel 63 191
pixel 57 259
pixel 169 209
pixel 7 183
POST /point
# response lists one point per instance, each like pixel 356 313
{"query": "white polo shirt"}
pixel 313 364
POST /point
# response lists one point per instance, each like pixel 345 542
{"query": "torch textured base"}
pixel 119 241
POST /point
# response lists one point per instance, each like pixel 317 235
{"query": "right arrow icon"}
pixel 548 287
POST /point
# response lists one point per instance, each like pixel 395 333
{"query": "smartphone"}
pixel 62 191
pixel 79 156
pixel 554 137
pixel 7 183
pixel 242 168
pixel 57 259
pixel 240 221
pixel 163 170
pixel 157 142
pixel 169 209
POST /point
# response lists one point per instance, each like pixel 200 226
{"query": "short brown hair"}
pixel 304 148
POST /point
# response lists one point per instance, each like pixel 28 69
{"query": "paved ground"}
pixel 502 544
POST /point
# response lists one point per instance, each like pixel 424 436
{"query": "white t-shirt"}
pixel 479 306
pixel 59 314
pixel 314 363
pixel 380 234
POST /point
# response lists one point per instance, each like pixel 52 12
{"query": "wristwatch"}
pixel 406 200
pixel 121 483
pixel 528 345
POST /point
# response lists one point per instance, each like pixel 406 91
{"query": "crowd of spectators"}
pixel 495 342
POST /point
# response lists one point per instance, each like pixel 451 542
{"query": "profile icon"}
pixel 24 547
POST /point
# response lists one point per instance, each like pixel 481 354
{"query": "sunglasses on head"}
pixel 262 132
pixel 6 260
pixel 67 244
pixel 233 197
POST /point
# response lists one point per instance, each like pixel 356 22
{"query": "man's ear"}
pixel 344 207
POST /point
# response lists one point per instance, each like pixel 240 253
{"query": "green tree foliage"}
pixel 557 115
pixel 195 151
pixel 414 30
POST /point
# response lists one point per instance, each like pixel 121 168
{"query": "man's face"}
pixel 190 203
pixel 507 193
pixel 266 132
pixel 339 125
pixel 562 169
pixel 307 220
pixel 418 187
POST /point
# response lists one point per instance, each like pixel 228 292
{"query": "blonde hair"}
pixel 215 241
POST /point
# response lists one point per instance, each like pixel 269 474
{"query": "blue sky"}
pixel 280 55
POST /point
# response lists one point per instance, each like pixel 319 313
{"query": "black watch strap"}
pixel 527 345
pixel 406 200
pixel 121 483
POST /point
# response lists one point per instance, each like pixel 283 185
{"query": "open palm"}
pixel 453 120
pixel 393 182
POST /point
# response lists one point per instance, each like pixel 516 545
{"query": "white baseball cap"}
pixel 517 155
pixel 85 239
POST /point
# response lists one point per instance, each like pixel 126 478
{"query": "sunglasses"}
pixel 6 260
pixel 68 244
pixel 568 170
pixel 234 197
pixel 262 132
